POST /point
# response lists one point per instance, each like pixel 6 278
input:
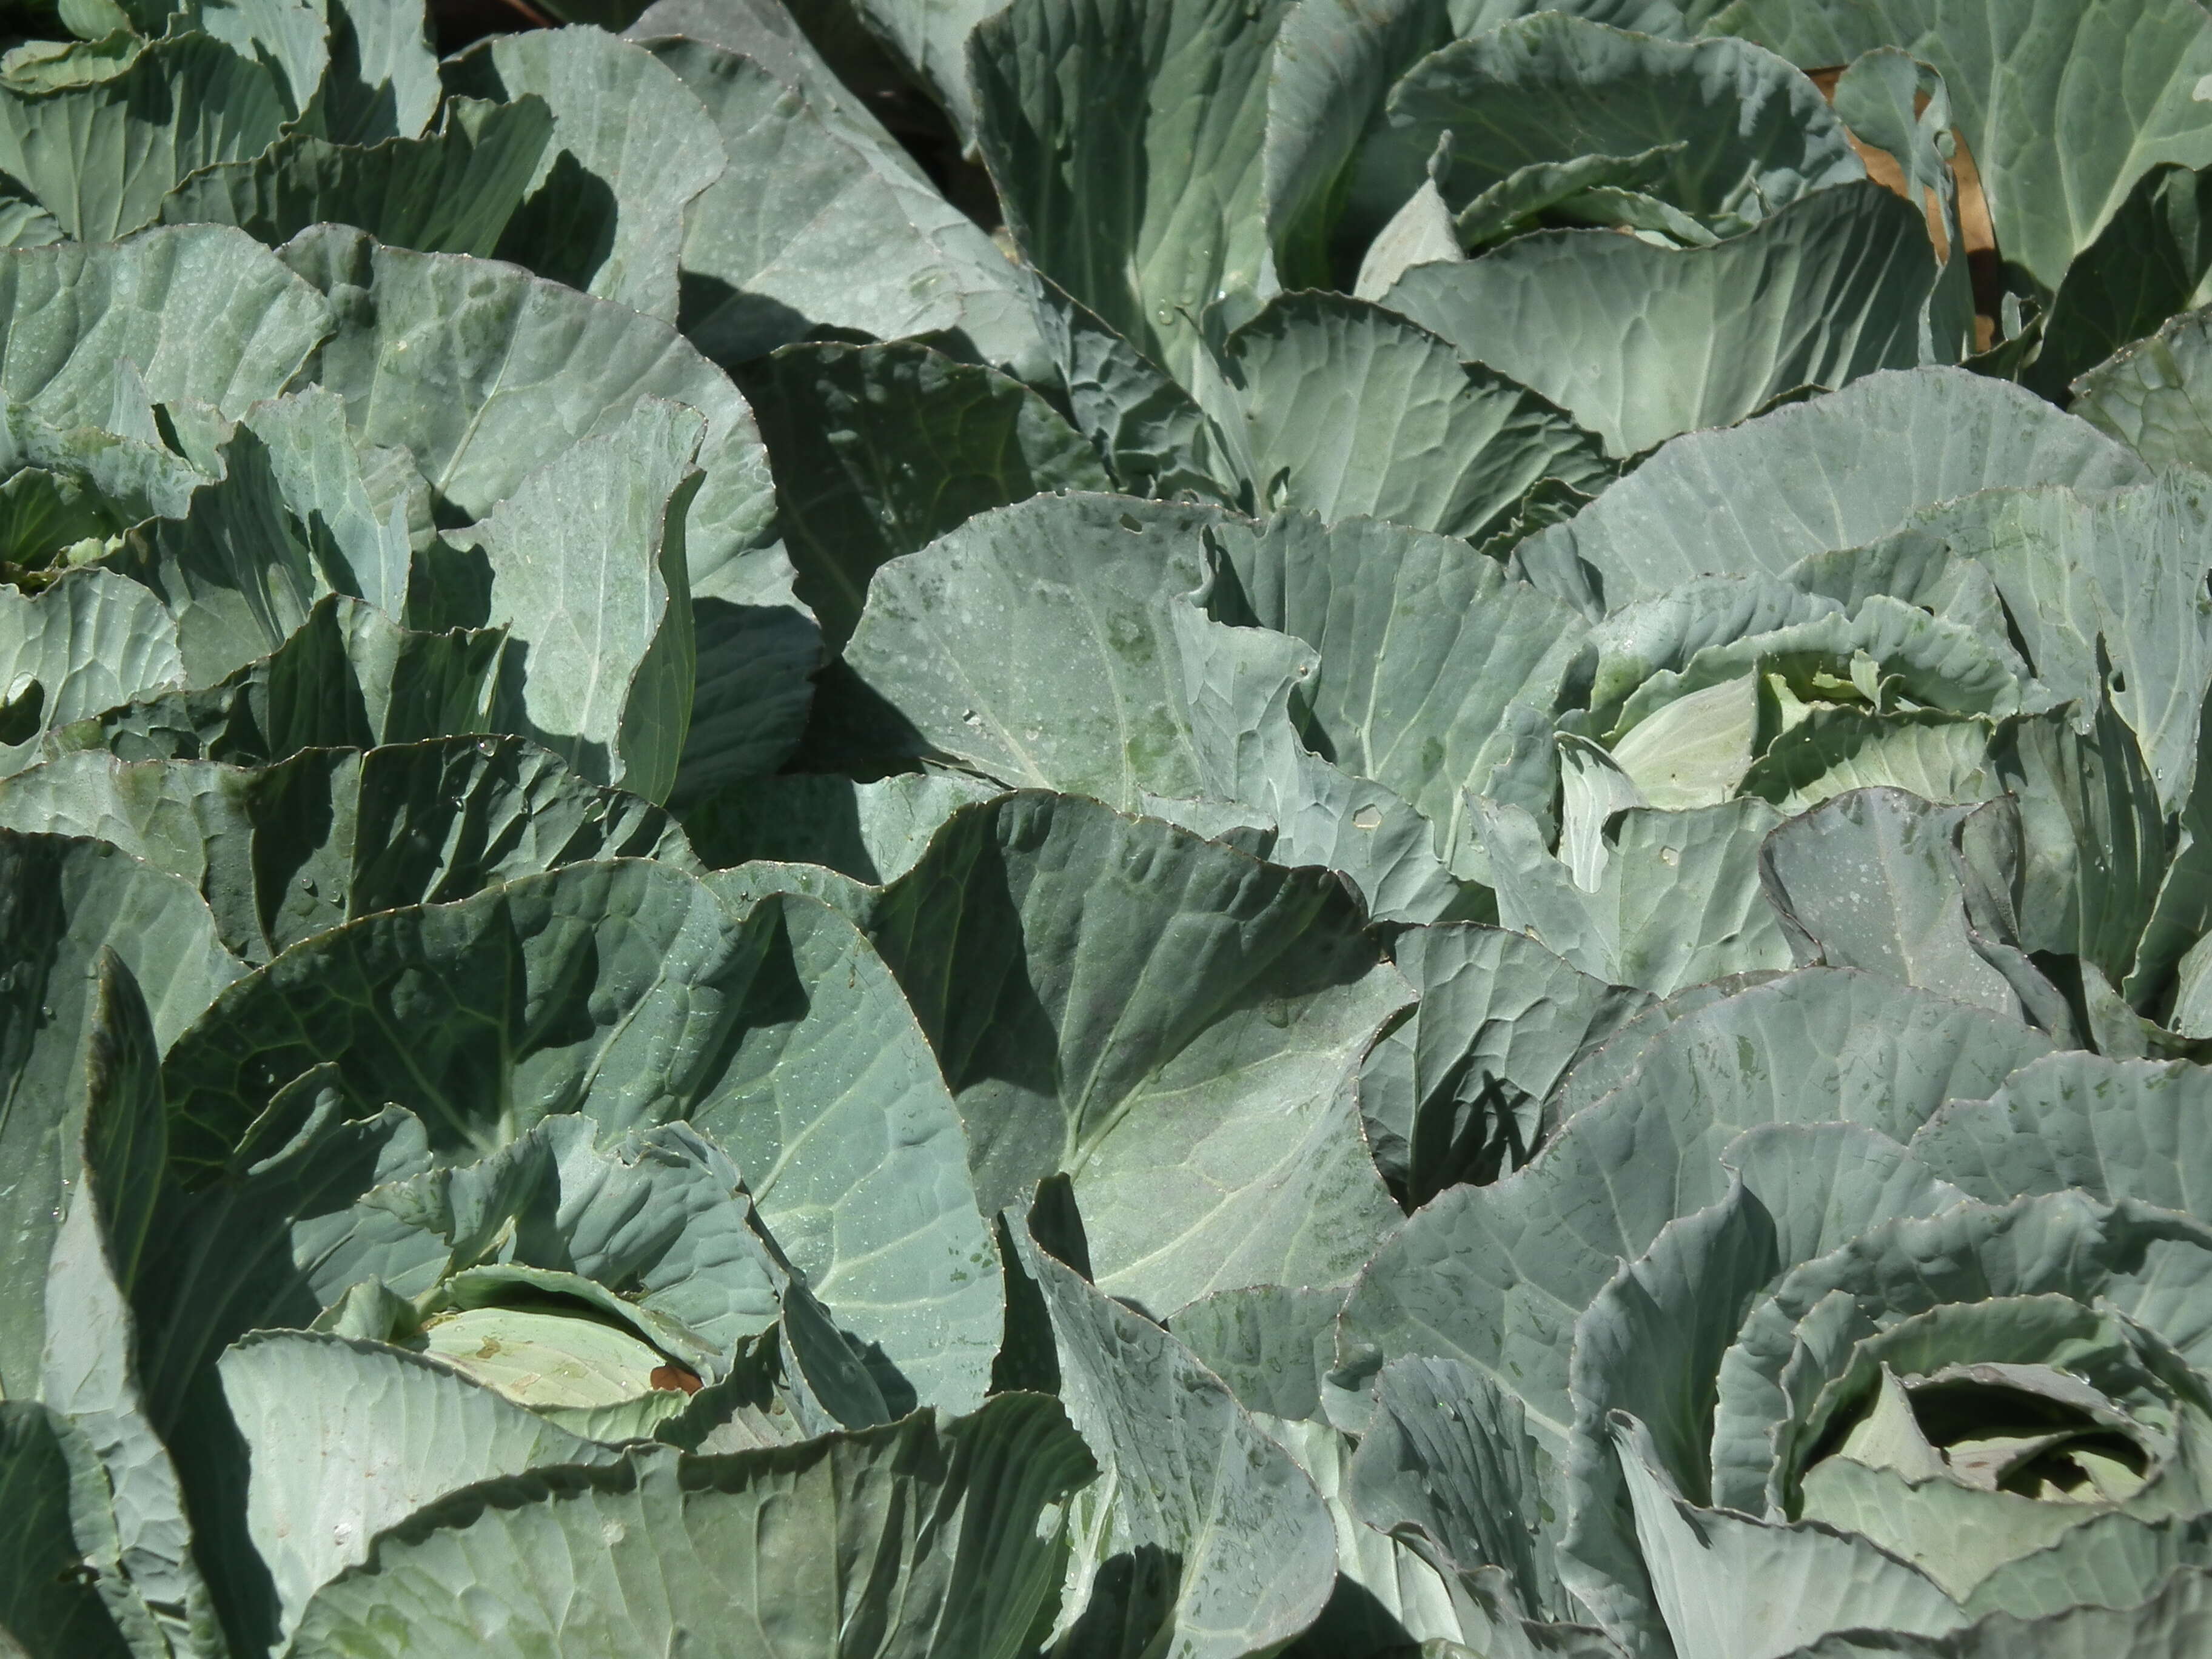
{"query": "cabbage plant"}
pixel 1106 830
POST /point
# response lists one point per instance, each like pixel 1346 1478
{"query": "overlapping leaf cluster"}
pixel 1428 875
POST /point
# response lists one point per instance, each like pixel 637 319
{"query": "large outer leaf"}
pixel 1454 1089
pixel 291 36
pixel 651 1229
pixel 918 1538
pixel 1873 880
pixel 856 1157
pixel 1496 1276
pixel 1668 340
pixel 2112 1129
pixel 89 643
pixel 2095 850
pixel 871 832
pixel 1675 899
pixel 2169 1624
pixel 115 481
pixel 614 988
pixel 2182 914
pixel 235 576
pixel 286 852
pixel 202 311
pixel 289 521
pixel 1133 695
pixel 1037 644
pixel 66 900
pixel 1204 1540
pixel 880 450
pixel 1152 433
pixel 1337 62
pixel 1332 404
pixel 1124 137
pixel 52 1538
pixel 1271 1344
pixel 1421 646
pixel 482 373
pixel 1831 473
pixel 270 1243
pixel 1614 1062
pixel 1447 1454
pixel 586 575
pixel 348 1438
pixel 89 1369
pixel 819 221
pixel 765 31
pixel 2127 568
pixel 1552 89
pixel 452 191
pixel 631 150
pixel 1242 691
pixel 2056 150
pixel 2148 263
pixel 357 535
pixel 1163 1018
pixel 383 78
pixel 125 1146
pixel 349 678
pixel 2117 1563
pixel 1387 1591
pixel 2146 395
pixel 758 649
pixel 930 37
pixel 559 993
pixel 101 156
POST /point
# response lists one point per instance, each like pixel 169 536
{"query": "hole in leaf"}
pixel 20 711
